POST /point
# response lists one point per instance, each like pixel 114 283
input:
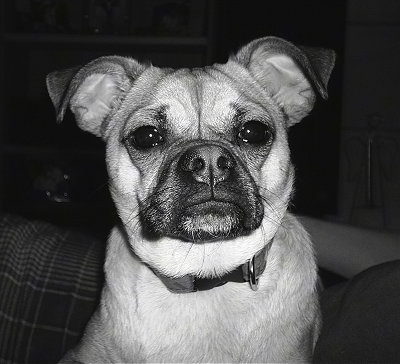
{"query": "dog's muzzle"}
pixel 204 193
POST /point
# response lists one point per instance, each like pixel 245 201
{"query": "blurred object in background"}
pixel 53 184
pixel 48 16
pixel 171 18
pixel 125 17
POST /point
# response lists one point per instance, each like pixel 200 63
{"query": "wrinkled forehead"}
pixel 199 100
pixel 197 87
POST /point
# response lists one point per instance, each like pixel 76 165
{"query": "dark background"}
pixel 37 154
pixel 315 141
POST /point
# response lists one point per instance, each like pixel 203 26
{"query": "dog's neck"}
pixel 248 272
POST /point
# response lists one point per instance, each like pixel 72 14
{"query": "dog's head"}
pixel 198 159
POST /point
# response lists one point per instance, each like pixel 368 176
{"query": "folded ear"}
pixel 92 91
pixel 291 75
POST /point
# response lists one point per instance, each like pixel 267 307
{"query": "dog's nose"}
pixel 209 164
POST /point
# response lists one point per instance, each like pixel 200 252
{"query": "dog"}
pixel 207 264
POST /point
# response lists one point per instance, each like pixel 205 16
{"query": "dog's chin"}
pixel 210 221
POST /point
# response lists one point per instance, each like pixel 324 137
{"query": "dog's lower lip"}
pixel 220 208
pixel 211 205
pixel 210 220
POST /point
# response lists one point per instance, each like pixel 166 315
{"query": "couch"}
pixel 51 279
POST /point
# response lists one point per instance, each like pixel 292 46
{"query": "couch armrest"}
pixel 347 250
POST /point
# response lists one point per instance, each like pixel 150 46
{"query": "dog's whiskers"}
pixel 187 254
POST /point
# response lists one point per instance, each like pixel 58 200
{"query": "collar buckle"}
pixel 253 280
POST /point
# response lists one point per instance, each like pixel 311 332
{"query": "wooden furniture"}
pixel 55 171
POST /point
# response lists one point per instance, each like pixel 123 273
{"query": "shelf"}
pixel 34 150
pixel 91 39
pixel 39 151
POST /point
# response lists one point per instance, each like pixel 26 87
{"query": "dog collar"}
pixel 247 272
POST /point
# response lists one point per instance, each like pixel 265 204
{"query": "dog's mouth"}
pixel 204 193
pixel 200 220
pixel 211 220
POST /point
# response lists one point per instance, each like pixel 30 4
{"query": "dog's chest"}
pixel 205 326
pixel 141 321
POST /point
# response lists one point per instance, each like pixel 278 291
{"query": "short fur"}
pixel 164 230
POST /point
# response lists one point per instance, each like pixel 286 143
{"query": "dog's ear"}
pixel 92 91
pixel 291 75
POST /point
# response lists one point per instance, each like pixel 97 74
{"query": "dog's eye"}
pixel 145 137
pixel 255 132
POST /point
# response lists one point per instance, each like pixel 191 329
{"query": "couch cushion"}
pixel 361 318
pixel 50 282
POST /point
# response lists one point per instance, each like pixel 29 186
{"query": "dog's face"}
pixel 198 159
pixel 200 145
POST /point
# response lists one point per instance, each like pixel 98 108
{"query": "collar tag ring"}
pixel 253 280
